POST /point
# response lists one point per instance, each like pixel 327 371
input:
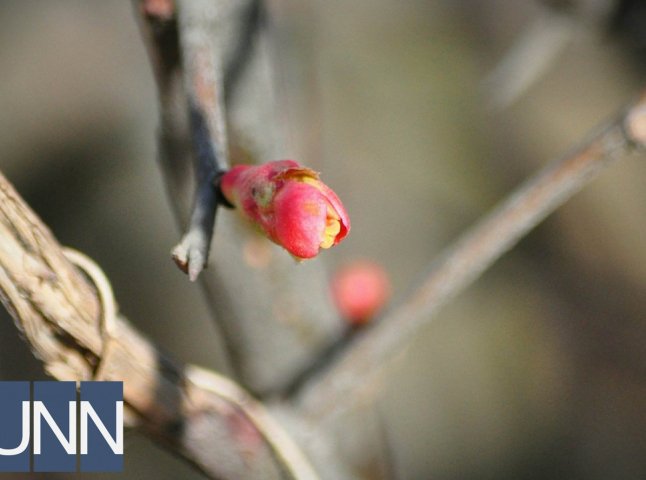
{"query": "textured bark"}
pixel 73 328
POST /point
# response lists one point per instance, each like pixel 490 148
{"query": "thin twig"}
pixel 239 59
pixel 157 21
pixel 203 81
pixel 529 58
pixel 188 70
pixel 471 255
pixel 198 415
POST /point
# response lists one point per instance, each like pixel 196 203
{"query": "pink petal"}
pixel 230 183
pixel 336 204
pixel 296 170
pixel 288 201
pixel 300 211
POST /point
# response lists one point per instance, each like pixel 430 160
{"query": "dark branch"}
pixel 203 82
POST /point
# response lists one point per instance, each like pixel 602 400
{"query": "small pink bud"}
pixel 289 203
pixel 360 290
pixel 160 9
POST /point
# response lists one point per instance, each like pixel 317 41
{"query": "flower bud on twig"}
pixel 289 203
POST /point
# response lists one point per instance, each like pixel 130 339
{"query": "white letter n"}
pixel 41 411
pixel 116 444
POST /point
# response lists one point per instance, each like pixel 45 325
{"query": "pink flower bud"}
pixel 360 289
pixel 289 203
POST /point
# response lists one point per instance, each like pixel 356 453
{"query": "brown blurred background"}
pixel 536 372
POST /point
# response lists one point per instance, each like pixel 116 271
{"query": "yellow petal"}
pixel 327 242
pixel 315 182
pixel 331 213
pixel 332 229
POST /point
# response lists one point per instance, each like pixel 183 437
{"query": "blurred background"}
pixel 539 370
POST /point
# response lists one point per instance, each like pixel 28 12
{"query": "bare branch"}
pixel 158 24
pixel 271 329
pixel 73 328
pixel 188 70
pixel 472 254
pixel 203 81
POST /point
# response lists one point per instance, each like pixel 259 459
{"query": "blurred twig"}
pixel 472 254
pixel 198 415
pixel 529 58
